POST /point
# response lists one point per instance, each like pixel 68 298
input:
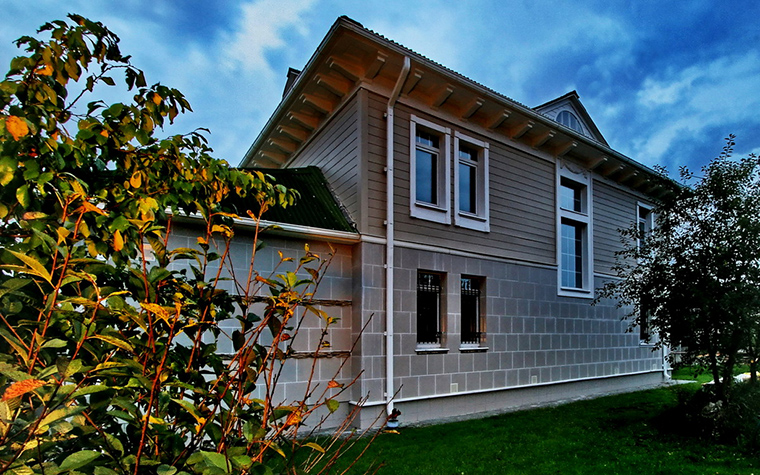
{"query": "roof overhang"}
pixel 351 56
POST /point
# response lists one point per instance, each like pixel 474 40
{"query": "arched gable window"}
pixel 567 119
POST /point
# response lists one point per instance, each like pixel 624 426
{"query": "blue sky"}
pixel 665 82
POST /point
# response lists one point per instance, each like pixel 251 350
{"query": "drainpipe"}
pixel 389 236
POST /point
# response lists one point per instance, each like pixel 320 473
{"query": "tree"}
pixel 108 357
pixel 696 276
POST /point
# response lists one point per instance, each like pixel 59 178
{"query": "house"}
pixel 491 222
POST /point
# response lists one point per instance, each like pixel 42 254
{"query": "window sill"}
pixel 473 349
pixel 429 351
pixel 579 293
pixel 430 212
pixel 471 221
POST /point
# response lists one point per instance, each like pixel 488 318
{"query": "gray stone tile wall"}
pixel 533 335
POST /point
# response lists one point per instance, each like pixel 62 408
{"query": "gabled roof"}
pixel 571 102
pixel 352 57
pixel 316 206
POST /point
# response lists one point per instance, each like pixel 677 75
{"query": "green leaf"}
pixel 118 342
pixel 166 470
pixel 115 443
pixel 78 459
pixel 100 470
pixel 8 166
pixel 22 195
pixel 33 266
pixel 332 405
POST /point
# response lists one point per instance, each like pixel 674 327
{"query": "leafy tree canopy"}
pixel 695 278
pixel 108 356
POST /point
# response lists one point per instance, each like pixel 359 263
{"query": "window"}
pixel 574 250
pixel 428 310
pixel 644 222
pixel 472 317
pixel 569 120
pixel 471 183
pixel 429 171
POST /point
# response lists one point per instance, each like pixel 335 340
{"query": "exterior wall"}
pixel 533 336
pixel 521 195
pixel 335 292
pixel 336 150
pixel 614 209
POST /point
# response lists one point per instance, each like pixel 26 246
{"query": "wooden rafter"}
pixel 443 96
pixel 306 121
pixel 350 71
pixel 377 65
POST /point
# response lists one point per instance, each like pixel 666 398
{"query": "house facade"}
pixel 480 229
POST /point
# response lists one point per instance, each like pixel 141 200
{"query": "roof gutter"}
pixel 285 229
pixel 390 390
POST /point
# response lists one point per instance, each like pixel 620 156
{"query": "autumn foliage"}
pixel 108 352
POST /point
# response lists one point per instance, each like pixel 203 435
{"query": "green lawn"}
pixel 634 433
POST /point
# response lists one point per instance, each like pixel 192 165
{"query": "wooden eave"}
pixel 351 56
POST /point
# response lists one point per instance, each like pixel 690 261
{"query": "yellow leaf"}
pixel 19 388
pixel 157 99
pixel 118 241
pixel 136 180
pixel 91 207
pixel 16 126
pixel 46 70
pixel 156 309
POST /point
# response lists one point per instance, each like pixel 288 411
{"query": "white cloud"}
pixel 683 104
pixel 260 30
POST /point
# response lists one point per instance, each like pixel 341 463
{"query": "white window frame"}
pixel 582 178
pixel 649 219
pixel 439 212
pixel 438 318
pixel 479 220
pixel 480 320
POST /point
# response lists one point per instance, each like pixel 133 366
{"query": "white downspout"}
pixel 389 236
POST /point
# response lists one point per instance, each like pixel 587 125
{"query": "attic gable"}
pixel 568 111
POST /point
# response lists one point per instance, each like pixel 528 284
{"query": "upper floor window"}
pixel 429 171
pixel 471 183
pixel 574 236
pixel 569 120
pixel 644 223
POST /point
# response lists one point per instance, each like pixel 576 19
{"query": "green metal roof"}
pixel 315 207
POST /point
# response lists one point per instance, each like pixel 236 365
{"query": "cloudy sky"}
pixel 665 82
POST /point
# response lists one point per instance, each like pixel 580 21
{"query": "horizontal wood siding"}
pixel 376 163
pixel 521 196
pixel 335 150
pixel 614 209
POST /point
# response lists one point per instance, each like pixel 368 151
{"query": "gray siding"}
pixel 335 150
pixel 614 209
pixel 521 196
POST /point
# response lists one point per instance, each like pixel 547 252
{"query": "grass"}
pixel 702 376
pixel 636 433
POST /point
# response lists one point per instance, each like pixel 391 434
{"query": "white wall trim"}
pixel 506 388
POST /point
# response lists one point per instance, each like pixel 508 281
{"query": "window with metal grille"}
pixel 428 308
pixel 470 311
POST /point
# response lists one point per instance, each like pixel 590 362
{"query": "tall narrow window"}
pixel 471 183
pixel 470 302
pixel 644 223
pixel 572 254
pixel 574 238
pixel 427 167
pixel 429 171
pixel 428 309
